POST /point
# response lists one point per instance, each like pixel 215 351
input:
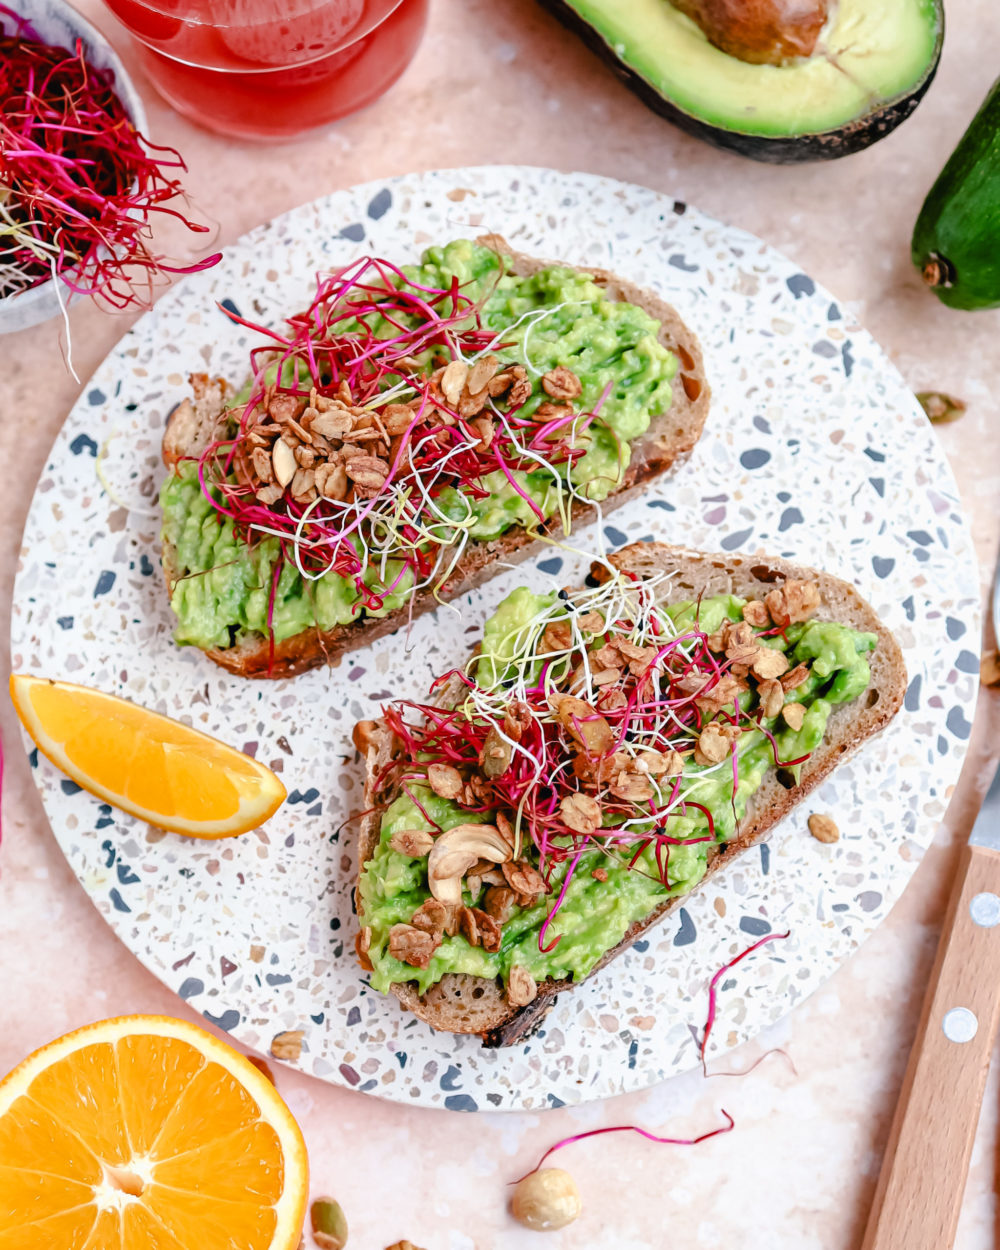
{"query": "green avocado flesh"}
pixel 223 585
pixel 871 52
pixel 595 915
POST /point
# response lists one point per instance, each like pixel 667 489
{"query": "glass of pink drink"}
pixel 271 69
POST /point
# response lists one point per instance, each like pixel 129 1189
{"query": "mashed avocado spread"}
pixel 556 317
pixel 595 913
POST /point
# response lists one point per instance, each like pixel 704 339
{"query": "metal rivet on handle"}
pixel 985 910
pixel 960 1025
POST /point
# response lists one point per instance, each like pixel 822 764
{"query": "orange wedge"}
pixel 146 1133
pixel 149 765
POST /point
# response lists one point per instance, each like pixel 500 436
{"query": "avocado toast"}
pixel 576 779
pixel 410 430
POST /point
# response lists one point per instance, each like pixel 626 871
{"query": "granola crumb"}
pixel 288 1045
pixel 823 828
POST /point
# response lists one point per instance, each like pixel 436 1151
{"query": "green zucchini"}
pixel 956 241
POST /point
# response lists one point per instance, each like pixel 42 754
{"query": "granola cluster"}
pixel 322 446
pixel 609 760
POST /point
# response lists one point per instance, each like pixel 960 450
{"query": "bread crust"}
pixel 667 443
pixel 465 1004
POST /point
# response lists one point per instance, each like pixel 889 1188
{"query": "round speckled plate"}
pixel 814 449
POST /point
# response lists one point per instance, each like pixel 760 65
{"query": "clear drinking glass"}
pixel 271 69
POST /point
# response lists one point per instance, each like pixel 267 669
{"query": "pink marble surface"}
pixel 500 81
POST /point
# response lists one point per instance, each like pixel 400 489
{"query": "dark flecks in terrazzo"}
pixel 883 565
pixel 354 1016
pixel 104 582
pixel 661 503
pixel 800 284
pixel 756 926
pixel 125 874
pixel 380 204
pixel 687 933
pixel 920 536
pixel 191 987
pixel 833 313
pixel 230 307
pixel 227 1021
pixel 762 424
pixel 355 232
pixel 911 700
pixel 754 458
pixel 277 978
pixel 349 1075
pixel 83 443
pixel 551 566
pixel 615 536
pixel 679 262
pixel 461 1102
pixel 824 348
pixel 877 456
pixel 117 901
pixel 765 858
pixel 96 396
pixel 226 967
pixel 847 358
pixel 735 540
pixel 967 662
pixel 64 622
pixel 868 900
pixel 957 724
pixel 450 1075
pixel 68 787
pixel 955 627
pixel 790 517
pixel 310 796
pixel 878 485
pixel 109 851
pixel 318 1018
pixel 942 745
pixel 146 566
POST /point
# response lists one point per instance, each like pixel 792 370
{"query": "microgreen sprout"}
pixel 79 185
pixel 626 738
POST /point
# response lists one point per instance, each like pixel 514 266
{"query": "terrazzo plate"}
pixel 814 449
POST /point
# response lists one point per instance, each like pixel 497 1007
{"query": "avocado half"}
pixel 871 65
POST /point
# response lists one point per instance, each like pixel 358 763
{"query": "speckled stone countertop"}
pixel 501 82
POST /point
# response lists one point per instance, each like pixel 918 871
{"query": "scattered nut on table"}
pixel 823 828
pixel 546 1199
pixel 329 1224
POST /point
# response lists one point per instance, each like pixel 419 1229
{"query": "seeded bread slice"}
pixel 467 1004
pixel 669 440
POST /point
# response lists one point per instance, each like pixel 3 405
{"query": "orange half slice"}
pixel 157 769
pixel 146 1133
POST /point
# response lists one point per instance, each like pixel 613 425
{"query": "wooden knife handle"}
pixel 919 1193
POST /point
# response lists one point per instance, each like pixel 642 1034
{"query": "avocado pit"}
pixel 761 32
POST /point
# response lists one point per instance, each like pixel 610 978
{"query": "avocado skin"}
pixel 959 223
pixel 826 145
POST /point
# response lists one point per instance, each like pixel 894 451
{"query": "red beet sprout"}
pixel 78 183
pixel 370 339
pixel 713 989
pixel 634 1128
pixel 653 711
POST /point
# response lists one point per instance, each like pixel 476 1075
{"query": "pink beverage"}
pixel 271 69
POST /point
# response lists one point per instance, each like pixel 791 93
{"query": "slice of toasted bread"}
pixel 467 1004
pixel 669 440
